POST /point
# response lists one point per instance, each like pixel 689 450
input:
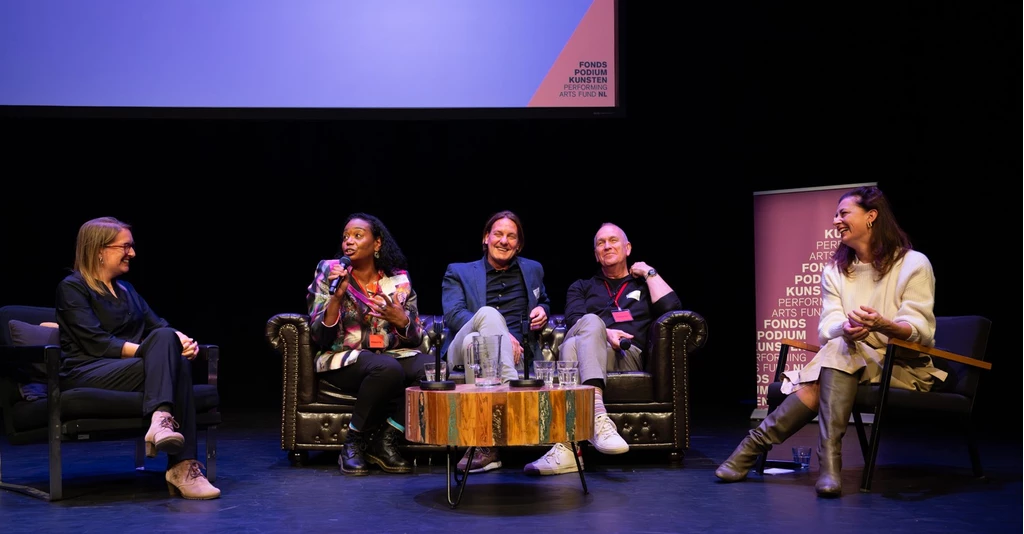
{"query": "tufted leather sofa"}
pixel 650 408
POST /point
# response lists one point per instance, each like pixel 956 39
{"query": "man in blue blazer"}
pixel 499 294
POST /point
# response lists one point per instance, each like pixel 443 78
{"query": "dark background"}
pixel 232 214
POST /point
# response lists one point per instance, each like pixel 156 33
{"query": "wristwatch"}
pixel 651 273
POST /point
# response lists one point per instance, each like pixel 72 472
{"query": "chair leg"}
pixel 862 435
pixel 140 454
pixel 761 461
pixel 56 473
pixel 972 449
pixel 23 489
pixel 211 454
pixel 872 454
pixel 56 491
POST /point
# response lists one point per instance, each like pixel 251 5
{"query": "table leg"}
pixel 454 474
pixel 579 468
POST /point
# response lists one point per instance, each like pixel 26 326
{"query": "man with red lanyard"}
pixel 609 316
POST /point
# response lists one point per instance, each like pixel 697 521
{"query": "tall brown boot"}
pixel 778 426
pixel 835 403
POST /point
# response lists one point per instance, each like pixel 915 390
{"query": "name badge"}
pixel 622 316
pixel 376 341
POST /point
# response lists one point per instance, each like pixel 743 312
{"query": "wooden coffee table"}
pixel 499 416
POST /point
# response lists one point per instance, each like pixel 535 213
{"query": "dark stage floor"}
pixel 922 484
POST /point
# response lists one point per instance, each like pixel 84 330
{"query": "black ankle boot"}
pixel 383 450
pixel 351 458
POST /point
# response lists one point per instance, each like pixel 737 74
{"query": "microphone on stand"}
pixel 527 346
pixel 526 381
pixel 437 382
pixel 346 263
pixel 438 329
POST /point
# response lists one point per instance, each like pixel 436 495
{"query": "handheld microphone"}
pixel 624 344
pixel 346 263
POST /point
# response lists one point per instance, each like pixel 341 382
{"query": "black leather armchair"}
pixel 35 409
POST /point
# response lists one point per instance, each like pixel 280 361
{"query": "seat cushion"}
pixel 899 399
pixel 328 393
pixel 915 401
pixel 94 403
pixel 636 386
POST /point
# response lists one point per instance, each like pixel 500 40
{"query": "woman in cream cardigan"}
pixel 874 288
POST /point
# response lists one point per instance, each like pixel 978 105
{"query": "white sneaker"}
pixel 558 461
pixel 606 437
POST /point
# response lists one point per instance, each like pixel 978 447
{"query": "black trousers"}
pixel 159 371
pixel 378 382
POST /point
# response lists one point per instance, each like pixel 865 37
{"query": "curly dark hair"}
pixel 391 257
pixel 889 243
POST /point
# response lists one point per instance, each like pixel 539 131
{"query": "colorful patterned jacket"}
pixel 339 345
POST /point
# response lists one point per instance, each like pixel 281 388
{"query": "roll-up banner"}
pixel 793 240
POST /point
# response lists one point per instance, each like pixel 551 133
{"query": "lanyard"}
pixel 615 297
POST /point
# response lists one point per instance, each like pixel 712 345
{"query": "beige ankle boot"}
pixel 186 478
pixel 162 437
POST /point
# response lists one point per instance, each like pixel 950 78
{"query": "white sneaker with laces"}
pixel 606 437
pixel 557 461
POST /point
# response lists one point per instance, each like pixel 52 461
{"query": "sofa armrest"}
pixel 551 337
pixel 28 366
pixel 25 363
pixel 675 336
pixel 288 334
pixel 434 334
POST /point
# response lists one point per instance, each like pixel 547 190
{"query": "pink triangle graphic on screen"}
pixel 584 73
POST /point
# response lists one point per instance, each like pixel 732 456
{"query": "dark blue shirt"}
pixel 97 325
pixel 506 292
pixel 597 295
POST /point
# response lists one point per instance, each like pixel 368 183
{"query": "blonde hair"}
pixel 92 237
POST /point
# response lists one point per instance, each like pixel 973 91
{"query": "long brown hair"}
pixel 92 237
pixel 515 220
pixel 889 243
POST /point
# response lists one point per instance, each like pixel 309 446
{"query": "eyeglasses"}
pixel 127 247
